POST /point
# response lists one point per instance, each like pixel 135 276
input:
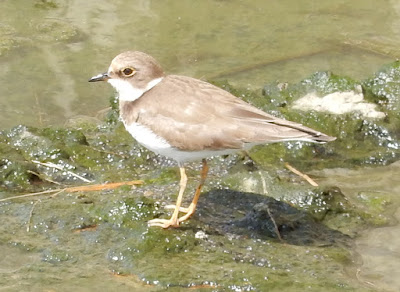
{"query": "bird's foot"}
pixel 173 207
pixel 164 223
pixel 173 222
pixel 189 211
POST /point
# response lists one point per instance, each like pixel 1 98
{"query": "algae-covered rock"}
pixel 320 83
pixel 257 226
pixel 28 147
pixel 362 137
pixel 384 88
pixel 223 246
pixel 33 158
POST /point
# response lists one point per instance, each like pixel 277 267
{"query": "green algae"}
pixel 359 141
pixel 322 83
pixel 45 4
pixel 384 87
pixel 91 148
pixel 231 243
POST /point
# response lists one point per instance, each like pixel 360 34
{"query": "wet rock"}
pixel 27 147
pixel 362 139
pixel 232 241
pixel 256 216
pixel 366 134
pixel 320 83
pixel 339 103
pixel 384 88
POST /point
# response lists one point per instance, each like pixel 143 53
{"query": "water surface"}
pixel 48 52
pixel 49 49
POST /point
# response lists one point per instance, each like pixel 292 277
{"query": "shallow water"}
pixel 47 60
pixel 378 247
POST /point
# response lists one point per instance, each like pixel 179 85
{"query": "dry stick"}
pixel 275 226
pixel 306 177
pixel 269 212
pixel 28 195
pixel 107 186
pixel 43 178
pixel 98 187
pixel 363 281
pixel 28 228
pixel 50 164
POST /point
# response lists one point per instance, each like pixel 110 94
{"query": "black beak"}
pixel 100 77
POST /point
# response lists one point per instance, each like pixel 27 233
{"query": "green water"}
pixel 49 49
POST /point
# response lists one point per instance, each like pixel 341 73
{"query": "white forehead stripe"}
pixel 127 92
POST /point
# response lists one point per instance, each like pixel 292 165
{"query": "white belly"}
pixel 159 145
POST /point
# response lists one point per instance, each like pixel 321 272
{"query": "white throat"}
pixel 127 92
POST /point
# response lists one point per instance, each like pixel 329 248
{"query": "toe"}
pixel 172 207
pixel 164 223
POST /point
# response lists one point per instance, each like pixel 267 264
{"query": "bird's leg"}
pixel 197 193
pixel 173 221
pixel 192 206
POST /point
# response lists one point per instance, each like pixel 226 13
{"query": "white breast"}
pixel 148 138
pixel 159 145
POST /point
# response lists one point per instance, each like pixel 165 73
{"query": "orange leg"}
pixel 173 221
pixel 192 207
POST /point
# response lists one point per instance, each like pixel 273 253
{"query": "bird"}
pixel 187 119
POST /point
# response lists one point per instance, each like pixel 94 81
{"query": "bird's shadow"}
pixel 257 216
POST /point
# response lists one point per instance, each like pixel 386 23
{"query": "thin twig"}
pixel 42 177
pixel 28 195
pixel 363 281
pixel 50 164
pixel 306 177
pixel 275 226
pixel 60 191
pixel 28 228
pixel 106 186
pixel 89 188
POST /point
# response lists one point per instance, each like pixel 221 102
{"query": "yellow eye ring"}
pixel 128 71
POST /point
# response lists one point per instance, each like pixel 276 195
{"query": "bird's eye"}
pixel 128 71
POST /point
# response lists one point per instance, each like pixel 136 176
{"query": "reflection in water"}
pixel 379 248
pixel 380 251
pixel 64 44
